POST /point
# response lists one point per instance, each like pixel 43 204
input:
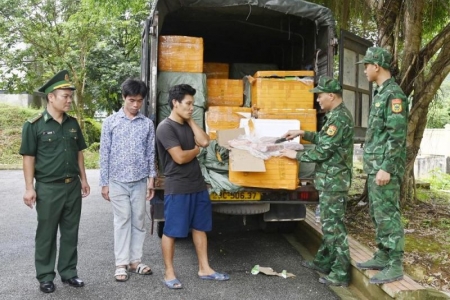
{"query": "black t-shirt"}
pixel 180 178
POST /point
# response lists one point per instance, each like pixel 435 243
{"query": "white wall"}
pixel 24 100
pixel 436 142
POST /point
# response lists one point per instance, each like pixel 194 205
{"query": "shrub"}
pixel 93 131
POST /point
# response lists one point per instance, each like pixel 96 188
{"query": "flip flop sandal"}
pixel 121 271
pixel 173 284
pixel 215 276
pixel 140 269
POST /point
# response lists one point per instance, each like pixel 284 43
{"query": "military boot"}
pixel 391 273
pixel 378 262
pixel 311 265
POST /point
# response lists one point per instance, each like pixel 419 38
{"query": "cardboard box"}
pixel 225 92
pixel 250 171
pixel 282 89
pixel 269 128
pixel 307 117
pixel 223 117
pixel 216 70
pixel 180 54
pixel 280 173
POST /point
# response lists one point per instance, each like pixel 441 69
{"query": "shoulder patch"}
pixel 396 105
pixel 331 130
pixel 35 118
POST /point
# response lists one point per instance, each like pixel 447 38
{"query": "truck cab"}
pixel 288 35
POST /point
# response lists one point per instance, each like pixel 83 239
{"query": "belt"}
pixel 65 180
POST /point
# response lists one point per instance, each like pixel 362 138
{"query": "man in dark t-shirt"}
pixel 186 200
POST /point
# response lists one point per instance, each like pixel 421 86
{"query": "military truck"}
pixel 291 34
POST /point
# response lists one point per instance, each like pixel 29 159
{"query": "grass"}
pixel 12 119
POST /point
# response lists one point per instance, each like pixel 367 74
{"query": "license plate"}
pixel 238 196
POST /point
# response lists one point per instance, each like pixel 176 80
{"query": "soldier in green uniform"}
pixel 384 163
pixel 333 156
pixel 52 145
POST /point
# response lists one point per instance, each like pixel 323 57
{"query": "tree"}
pixel 439 112
pixel 49 36
pixel 39 38
pixel 115 58
pixel 417 32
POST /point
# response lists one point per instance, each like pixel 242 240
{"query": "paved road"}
pixel 233 248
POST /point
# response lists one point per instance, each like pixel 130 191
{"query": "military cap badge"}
pixel 59 81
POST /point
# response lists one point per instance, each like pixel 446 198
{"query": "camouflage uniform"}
pixel 333 156
pixel 385 149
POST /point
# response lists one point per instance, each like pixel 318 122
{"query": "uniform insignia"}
pixel 35 118
pixel 46 117
pixel 331 130
pixel 377 104
pixel 397 105
pixel 66 77
pixel 72 130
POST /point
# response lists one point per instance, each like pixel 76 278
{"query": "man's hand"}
pixel 29 198
pixel 382 177
pixel 150 188
pixel 85 188
pixel 105 192
pixel 292 134
pixel 288 153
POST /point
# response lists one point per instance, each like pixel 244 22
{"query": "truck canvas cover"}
pixel 321 15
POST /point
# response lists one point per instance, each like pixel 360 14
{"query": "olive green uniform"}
pixel 55 147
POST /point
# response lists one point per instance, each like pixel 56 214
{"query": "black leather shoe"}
pixel 47 286
pixel 74 281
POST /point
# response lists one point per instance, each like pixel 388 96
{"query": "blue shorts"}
pixel 187 211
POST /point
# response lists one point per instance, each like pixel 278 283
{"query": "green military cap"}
pixel 377 55
pixel 59 81
pixel 327 84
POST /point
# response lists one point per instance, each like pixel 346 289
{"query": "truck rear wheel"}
pixel 241 209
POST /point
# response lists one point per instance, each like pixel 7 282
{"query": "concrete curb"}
pixel 308 235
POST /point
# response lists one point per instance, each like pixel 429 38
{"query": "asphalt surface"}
pixel 233 248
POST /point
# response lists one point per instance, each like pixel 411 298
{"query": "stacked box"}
pixel 240 70
pixel 223 117
pixel 180 54
pixel 225 92
pixel 307 117
pixel 281 173
pixel 283 89
pixel 216 70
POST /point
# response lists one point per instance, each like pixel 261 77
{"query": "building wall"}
pixel 436 142
pixel 23 100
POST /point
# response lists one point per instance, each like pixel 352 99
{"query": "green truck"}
pixel 288 34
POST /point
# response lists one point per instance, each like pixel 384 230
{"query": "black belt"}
pixel 65 180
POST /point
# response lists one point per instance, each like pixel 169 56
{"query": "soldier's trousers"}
pixel 333 253
pixel 57 205
pixel 385 213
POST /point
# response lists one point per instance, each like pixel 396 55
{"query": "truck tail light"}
pixel 304 196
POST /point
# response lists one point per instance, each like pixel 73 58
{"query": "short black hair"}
pixel 178 92
pixel 133 87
